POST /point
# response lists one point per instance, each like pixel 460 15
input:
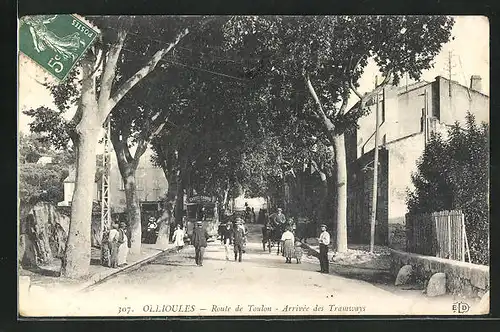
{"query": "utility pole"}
pixel 105 193
pixel 373 216
pixel 449 73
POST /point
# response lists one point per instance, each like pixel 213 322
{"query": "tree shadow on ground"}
pixel 95 261
pixel 374 276
pixel 44 271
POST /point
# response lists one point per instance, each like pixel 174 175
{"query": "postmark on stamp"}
pixel 55 42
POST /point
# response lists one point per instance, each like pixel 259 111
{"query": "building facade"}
pixel 150 180
pixel 408 116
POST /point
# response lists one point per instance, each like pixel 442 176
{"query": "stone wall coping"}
pixel 483 268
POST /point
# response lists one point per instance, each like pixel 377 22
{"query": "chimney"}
pixel 475 82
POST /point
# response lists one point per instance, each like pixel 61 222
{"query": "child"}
pixel 298 252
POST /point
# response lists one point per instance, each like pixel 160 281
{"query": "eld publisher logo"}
pixel 460 307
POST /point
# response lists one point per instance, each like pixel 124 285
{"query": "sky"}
pixel 470 56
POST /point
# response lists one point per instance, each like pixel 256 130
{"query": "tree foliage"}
pixel 452 174
pixel 41 182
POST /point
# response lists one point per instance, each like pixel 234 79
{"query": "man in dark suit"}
pixel 199 241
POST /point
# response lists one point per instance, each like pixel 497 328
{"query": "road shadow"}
pixel 95 261
pixel 373 276
pixel 46 272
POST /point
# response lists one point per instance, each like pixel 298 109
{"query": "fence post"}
pixel 463 237
pixel 449 237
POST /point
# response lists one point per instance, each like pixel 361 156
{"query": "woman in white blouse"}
pixel 288 240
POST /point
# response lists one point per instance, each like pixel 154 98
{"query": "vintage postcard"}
pixel 274 166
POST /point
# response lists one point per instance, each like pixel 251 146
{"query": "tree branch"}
pixel 120 144
pixel 141 73
pixel 109 72
pixel 351 83
pixel 374 92
pixel 142 145
pixel 321 114
pixel 157 125
pixel 345 101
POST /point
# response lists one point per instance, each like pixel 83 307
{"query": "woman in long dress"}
pixel 113 246
pixel 178 238
pixel 288 245
pixel 123 244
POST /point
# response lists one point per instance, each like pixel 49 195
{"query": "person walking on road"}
pixel 178 238
pixel 199 241
pixel 324 242
pixel 288 245
pixel 239 240
pixel 227 238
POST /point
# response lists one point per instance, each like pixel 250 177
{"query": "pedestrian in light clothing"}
pixel 199 241
pixel 324 242
pixel 113 245
pixel 238 240
pixel 288 240
pixel 179 238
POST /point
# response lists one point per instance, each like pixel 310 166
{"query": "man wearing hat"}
pixel 324 242
pixel 239 239
pixel 199 241
pixel 278 219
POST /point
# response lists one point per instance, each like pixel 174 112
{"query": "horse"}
pixel 271 235
pixel 266 236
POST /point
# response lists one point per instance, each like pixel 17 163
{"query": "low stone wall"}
pixel 464 279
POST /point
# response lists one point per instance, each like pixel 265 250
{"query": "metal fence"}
pixel 441 234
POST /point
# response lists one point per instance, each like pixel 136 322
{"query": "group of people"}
pixel 293 249
pixel 250 214
pixel 116 246
pixel 232 235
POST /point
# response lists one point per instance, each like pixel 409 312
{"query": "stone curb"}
pixel 99 278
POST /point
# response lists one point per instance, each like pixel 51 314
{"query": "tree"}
pixel 332 52
pixel 39 182
pixel 452 174
pixel 107 73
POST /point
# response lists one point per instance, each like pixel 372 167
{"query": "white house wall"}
pixel 150 181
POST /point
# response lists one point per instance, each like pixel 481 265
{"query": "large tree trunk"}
pixel 165 222
pixel 179 199
pixel 166 219
pixel 133 211
pixel 77 258
pixel 341 191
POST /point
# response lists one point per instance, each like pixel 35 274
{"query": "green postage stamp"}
pixel 55 42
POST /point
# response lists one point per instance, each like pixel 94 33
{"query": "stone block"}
pixel 437 284
pixel 404 275
pixel 479 279
pixel 483 307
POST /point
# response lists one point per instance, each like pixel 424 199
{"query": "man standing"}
pixel 227 237
pixel 239 239
pixel 199 241
pixel 324 242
